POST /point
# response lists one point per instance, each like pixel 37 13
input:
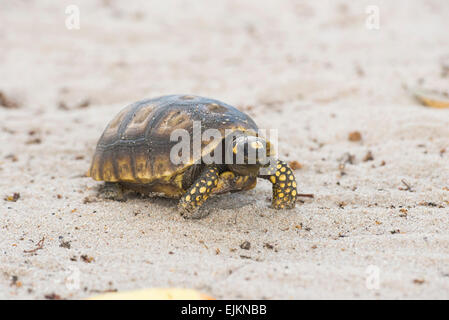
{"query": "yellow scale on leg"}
pixel 199 191
pixel 284 186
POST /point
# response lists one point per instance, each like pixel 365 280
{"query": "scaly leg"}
pixel 284 185
pixel 198 193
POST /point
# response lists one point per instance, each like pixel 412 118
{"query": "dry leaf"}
pixel 355 136
pixel 295 165
pixel 154 294
pixel 432 98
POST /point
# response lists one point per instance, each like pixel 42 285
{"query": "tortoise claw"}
pixel 189 210
pixel 112 191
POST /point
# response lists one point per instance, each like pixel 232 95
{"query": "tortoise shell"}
pixel 135 146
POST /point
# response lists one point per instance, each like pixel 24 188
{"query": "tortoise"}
pixel 135 153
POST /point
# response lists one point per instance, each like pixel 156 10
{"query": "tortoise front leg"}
pixel 198 192
pixel 284 185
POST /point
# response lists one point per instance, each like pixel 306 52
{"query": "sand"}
pixel 312 70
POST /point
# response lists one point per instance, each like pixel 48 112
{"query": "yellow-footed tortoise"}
pixel 137 152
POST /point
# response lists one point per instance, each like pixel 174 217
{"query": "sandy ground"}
pixel 313 70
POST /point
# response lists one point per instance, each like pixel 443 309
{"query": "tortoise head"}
pixel 249 154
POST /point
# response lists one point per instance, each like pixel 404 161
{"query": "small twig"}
pixel 306 195
pixel 103 291
pixel 39 246
pixel 408 187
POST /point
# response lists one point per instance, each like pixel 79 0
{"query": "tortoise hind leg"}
pixel 112 191
pixel 198 193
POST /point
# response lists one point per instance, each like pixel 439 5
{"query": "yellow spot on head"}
pixel 279 166
pixel 291 177
pixel 287 190
pixel 282 185
pixel 294 184
pixel 202 189
pixel 281 195
pixel 193 191
pixel 198 198
pixel 283 169
pixel 282 177
pixel 209 183
pixel 277 173
pixel 272 179
pixel 188 198
pixel 294 193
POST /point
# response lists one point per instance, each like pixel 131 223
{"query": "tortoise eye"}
pixel 256 145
